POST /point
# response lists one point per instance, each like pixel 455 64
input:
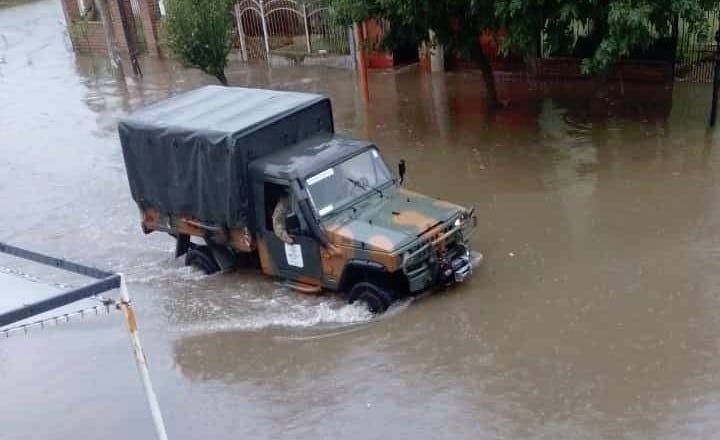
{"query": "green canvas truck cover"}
pixel 188 155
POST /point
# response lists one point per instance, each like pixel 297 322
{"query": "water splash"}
pixel 326 315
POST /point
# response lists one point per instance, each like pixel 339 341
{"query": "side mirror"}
pixel 401 170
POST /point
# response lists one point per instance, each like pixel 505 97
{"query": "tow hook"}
pixel 455 270
pixel 462 268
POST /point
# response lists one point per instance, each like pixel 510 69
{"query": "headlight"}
pixel 458 222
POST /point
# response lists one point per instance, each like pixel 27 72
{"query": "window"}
pixel 273 193
pixel 340 185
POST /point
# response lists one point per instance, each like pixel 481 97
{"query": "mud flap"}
pixel 223 257
pixel 182 244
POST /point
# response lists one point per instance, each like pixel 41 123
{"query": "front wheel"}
pixel 201 257
pixel 377 299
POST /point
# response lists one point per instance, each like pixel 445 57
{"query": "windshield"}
pixel 337 186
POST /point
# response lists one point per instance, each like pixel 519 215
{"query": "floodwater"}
pixel 595 315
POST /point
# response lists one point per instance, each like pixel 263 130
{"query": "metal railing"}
pixel 695 53
pixel 104 282
pixel 287 27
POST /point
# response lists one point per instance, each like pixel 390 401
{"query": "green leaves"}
pixel 610 29
pixel 199 34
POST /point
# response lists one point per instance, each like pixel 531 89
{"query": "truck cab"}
pixel 209 166
pixel 354 228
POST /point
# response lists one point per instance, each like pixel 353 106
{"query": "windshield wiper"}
pixel 363 186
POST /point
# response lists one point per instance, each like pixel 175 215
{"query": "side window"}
pixel 273 194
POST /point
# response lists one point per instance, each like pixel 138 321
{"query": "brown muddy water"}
pixel 595 314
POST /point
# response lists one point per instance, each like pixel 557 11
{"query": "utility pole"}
pixel 716 81
pixel 362 62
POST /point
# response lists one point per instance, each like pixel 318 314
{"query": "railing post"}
pixel 264 28
pixel 350 35
pixel 307 29
pixel 241 32
pixel 716 80
pixel 141 361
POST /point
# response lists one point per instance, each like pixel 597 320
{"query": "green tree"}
pixel 617 27
pixel 199 34
pixel 458 25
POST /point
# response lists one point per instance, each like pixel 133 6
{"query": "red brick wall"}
pixel 88 36
pixel 71 9
pixel 377 59
pixel 121 38
pixel 150 16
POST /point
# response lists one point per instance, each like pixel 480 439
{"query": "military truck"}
pixel 209 166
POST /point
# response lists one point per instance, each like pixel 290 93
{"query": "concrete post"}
pixel 353 47
pixel 437 54
pixel 362 64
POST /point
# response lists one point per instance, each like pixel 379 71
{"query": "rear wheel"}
pixel 377 299
pixel 201 257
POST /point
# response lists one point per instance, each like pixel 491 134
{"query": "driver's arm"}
pixel 279 218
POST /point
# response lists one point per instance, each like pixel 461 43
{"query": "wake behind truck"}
pixel 209 167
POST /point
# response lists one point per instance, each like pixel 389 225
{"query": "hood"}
pixel 390 223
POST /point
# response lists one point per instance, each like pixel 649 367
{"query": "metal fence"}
pixel 695 56
pixel 287 28
pixel 691 50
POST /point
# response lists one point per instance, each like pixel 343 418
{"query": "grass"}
pixel 317 43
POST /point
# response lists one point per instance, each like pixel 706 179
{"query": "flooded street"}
pixel 596 313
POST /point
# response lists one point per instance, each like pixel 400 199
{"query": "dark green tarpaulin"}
pixel 189 155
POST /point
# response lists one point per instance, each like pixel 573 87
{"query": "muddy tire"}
pixel 201 257
pixel 377 299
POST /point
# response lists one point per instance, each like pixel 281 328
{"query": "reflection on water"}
pixel 594 315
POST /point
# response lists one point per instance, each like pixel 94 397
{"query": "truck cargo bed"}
pixel 189 155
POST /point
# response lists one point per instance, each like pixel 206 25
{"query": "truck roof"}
pixel 218 112
pixel 307 157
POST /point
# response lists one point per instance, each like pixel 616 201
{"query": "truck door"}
pixel 299 261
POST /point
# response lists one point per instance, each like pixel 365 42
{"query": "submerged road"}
pixel 595 315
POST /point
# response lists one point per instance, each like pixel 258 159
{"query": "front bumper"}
pixel 455 268
pixel 444 259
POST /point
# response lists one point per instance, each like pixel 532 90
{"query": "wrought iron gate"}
pixel 287 27
pixel 695 53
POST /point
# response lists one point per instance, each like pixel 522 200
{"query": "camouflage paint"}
pixel 380 230
pixel 377 229
pixel 266 263
pixel 391 223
